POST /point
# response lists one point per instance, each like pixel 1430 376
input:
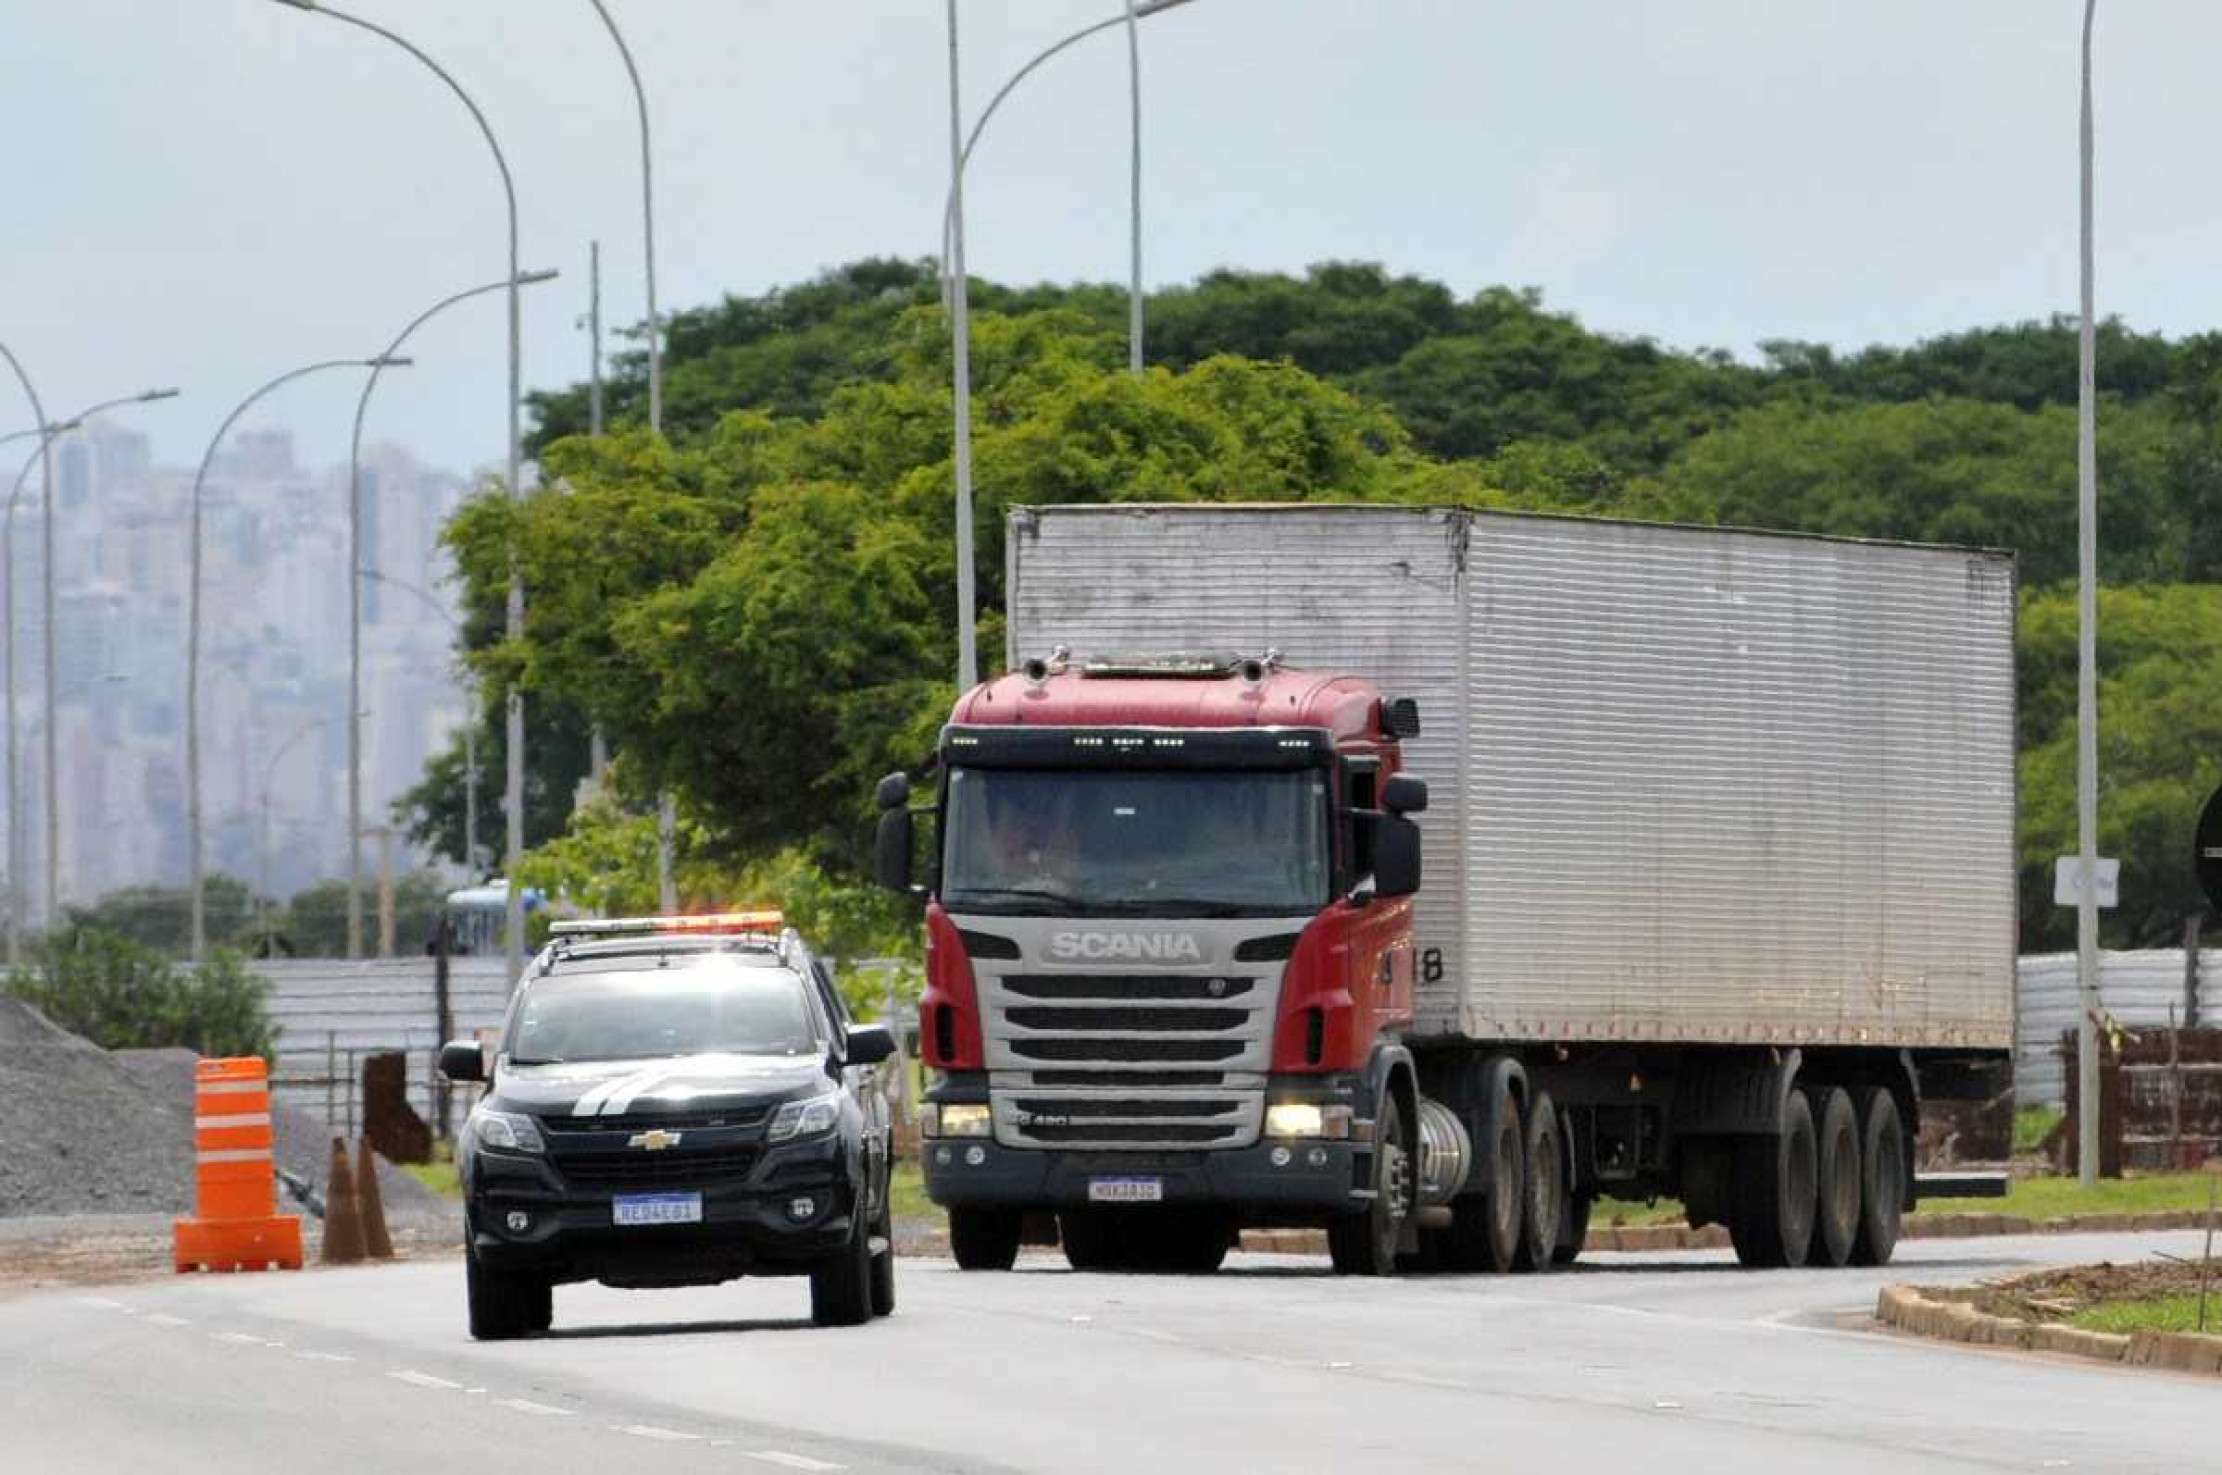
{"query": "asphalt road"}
pixel 1653 1362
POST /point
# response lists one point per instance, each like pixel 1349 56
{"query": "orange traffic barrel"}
pixel 236 1225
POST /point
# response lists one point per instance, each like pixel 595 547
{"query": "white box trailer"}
pixel 1688 785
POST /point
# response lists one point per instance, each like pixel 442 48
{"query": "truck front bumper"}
pixel 1295 1181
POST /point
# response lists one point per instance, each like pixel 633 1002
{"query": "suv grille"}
pixel 655 1169
pixel 669 1121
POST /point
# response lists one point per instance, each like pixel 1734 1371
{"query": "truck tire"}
pixel 1882 1163
pixel 1365 1243
pixel 984 1239
pixel 504 1305
pixel 841 1284
pixel 1573 1229
pixel 883 1260
pixel 1486 1225
pixel 1089 1239
pixel 1837 1156
pixel 1777 1190
pixel 1543 1186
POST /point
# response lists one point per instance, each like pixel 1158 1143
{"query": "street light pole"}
pixel 667 886
pixel 46 536
pixel 269 776
pixel 355 604
pixel 7 638
pixel 1134 189
pixel 470 728
pixel 968 659
pixel 197 841
pixel 514 622
pixel 2086 686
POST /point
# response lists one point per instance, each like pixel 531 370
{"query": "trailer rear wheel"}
pixel 1777 1190
pixel 1365 1244
pixel 1882 1158
pixel 1836 1221
pixel 983 1238
pixel 1543 1187
pixel 1573 1229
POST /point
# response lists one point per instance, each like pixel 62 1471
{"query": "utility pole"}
pixel 2087 690
pixel 598 747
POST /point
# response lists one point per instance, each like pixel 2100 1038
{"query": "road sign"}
pixel 2209 860
pixel 2068 870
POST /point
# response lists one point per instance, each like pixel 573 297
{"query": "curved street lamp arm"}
pixel 419 591
pixel 648 223
pixel 378 365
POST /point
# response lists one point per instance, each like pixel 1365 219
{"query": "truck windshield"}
pixel 648 1012
pixel 1160 844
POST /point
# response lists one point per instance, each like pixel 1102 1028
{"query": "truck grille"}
pixel 1128 1061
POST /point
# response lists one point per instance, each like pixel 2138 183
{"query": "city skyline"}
pixel 274 690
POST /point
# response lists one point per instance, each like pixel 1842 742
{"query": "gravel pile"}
pixel 87 1131
pixel 79 1132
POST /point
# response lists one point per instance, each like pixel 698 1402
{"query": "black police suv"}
pixel 675 1101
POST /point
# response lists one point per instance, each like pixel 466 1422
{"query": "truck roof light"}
pixel 764 921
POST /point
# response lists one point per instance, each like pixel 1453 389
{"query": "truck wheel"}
pixel 1543 1188
pixel 841 1286
pixel 1837 1155
pixel 984 1239
pixel 504 1305
pixel 1365 1244
pixel 1486 1226
pixel 883 1260
pixel 1777 1190
pixel 1573 1229
pixel 1089 1239
pixel 1882 1160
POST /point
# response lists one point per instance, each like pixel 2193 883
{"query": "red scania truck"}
pixel 1718 834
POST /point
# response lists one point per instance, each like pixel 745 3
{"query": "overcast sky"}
pixel 208 192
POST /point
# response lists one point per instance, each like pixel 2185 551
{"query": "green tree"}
pixel 161 917
pixel 314 923
pixel 122 995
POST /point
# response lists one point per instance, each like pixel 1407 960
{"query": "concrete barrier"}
pixel 1908 1310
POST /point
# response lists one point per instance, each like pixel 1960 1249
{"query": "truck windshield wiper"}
pixel 540 1060
pixel 1042 894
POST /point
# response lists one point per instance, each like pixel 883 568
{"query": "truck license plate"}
pixel 1126 1190
pixel 657 1208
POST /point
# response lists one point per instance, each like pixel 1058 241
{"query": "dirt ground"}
pixel 2057 1295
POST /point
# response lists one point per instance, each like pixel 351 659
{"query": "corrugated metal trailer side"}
pixel 1690 784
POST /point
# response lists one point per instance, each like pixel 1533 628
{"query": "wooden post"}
pixel 2191 928
pixel 443 1023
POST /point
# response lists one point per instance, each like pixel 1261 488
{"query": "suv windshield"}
pixel 1168 844
pixel 621 1012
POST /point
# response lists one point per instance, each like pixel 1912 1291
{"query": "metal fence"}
pixel 2139 989
pixel 331 1012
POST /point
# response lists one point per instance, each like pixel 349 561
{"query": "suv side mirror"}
pixel 893 791
pixel 869 1044
pixel 463 1060
pixel 1404 794
pixel 1396 856
pixel 891 854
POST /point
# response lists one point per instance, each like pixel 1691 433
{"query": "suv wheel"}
pixel 504 1305
pixel 883 1260
pixel 841 1285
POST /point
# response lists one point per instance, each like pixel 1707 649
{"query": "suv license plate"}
pixel 657 1208
pixel 1126 1190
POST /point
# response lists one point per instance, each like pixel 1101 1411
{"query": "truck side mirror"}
pixel 1396 856
pixel 893 791
pixel 463 1060
pixel 1404 794
pixel 891 857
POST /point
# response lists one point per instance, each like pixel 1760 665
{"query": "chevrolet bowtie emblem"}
pixel 654 1140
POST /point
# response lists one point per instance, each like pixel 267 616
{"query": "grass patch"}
pixel 907 1192
pixel 2053 1198
pixel 438 1174
pixel 2169 1314
pixel 2032 1125
pixel 1632 1213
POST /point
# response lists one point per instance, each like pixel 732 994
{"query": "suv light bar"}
pixel 763 920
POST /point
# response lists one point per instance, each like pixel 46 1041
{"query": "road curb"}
pixel 1909 1310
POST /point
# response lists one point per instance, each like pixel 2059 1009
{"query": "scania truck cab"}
pixel 1169 959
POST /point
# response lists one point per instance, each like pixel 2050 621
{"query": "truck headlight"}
pixel 508 1131
pixel 810 1118
pixel 957 1119
pixel 1307 1119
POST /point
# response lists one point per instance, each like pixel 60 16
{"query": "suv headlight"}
pixel 810 1118
pixel 957 1119
pixel 508 1131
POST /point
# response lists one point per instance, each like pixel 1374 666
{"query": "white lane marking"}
pixel 163 1318
pixel 103 1303
pixel 243 1339
pixel 423 1380
pixel 792 1462
pixel 323 1357
pixel 527 1406
pixel 651 1431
